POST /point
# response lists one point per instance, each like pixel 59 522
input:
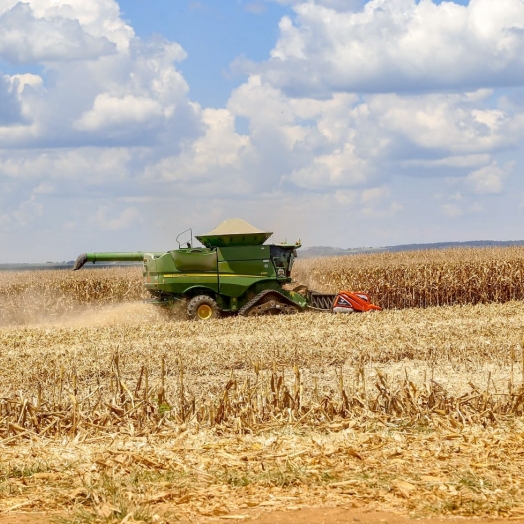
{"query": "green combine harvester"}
pixel 234 272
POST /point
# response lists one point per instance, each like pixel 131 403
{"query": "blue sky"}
pixel 231 28
pixel 340 122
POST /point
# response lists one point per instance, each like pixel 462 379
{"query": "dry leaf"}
pixel 106 510
pixel 405 488
pixel 431 478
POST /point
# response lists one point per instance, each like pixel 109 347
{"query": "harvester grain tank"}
pixel 234 272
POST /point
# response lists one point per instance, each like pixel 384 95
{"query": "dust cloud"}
pixel 32 312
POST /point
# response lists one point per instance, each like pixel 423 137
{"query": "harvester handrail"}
pixel 180 234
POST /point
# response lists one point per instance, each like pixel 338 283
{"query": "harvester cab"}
pixel 234 272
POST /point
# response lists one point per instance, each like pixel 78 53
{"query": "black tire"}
pixel 202 307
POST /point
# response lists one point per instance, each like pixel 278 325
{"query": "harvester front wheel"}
pixel 202 307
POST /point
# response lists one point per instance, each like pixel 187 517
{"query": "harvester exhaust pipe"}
pixel 80 261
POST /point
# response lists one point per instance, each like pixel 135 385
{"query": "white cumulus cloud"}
pixel 489 179
pixel 386 110
pixel 28 38
pixel 109 112
pixel 398 45
pixel 99 83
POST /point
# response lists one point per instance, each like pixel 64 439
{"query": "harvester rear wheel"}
pixel 202 307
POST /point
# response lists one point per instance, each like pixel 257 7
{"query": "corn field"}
pixel 140 371
pixel 421 278
pixel 394 281
pixel 110 411
pixel 119 414
pixel 29 296
pixel 265 401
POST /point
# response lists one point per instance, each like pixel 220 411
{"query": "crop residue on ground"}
pixel 112 410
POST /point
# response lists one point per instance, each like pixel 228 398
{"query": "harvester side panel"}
pixel 181 283
pixel 163 264
pixel 241 267
pixel 165 274
pixel 195 260
pixel 244 270
pixel 243 253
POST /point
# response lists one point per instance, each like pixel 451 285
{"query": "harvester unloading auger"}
pixel 235 272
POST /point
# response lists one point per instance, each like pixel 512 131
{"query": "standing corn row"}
pixel 423 278
pixel 49 292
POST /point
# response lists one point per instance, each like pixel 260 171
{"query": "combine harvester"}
pixel 235 272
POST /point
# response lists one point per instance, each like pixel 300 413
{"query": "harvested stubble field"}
pixel 109 411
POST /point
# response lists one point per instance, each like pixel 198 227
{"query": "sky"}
pixel 346 123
